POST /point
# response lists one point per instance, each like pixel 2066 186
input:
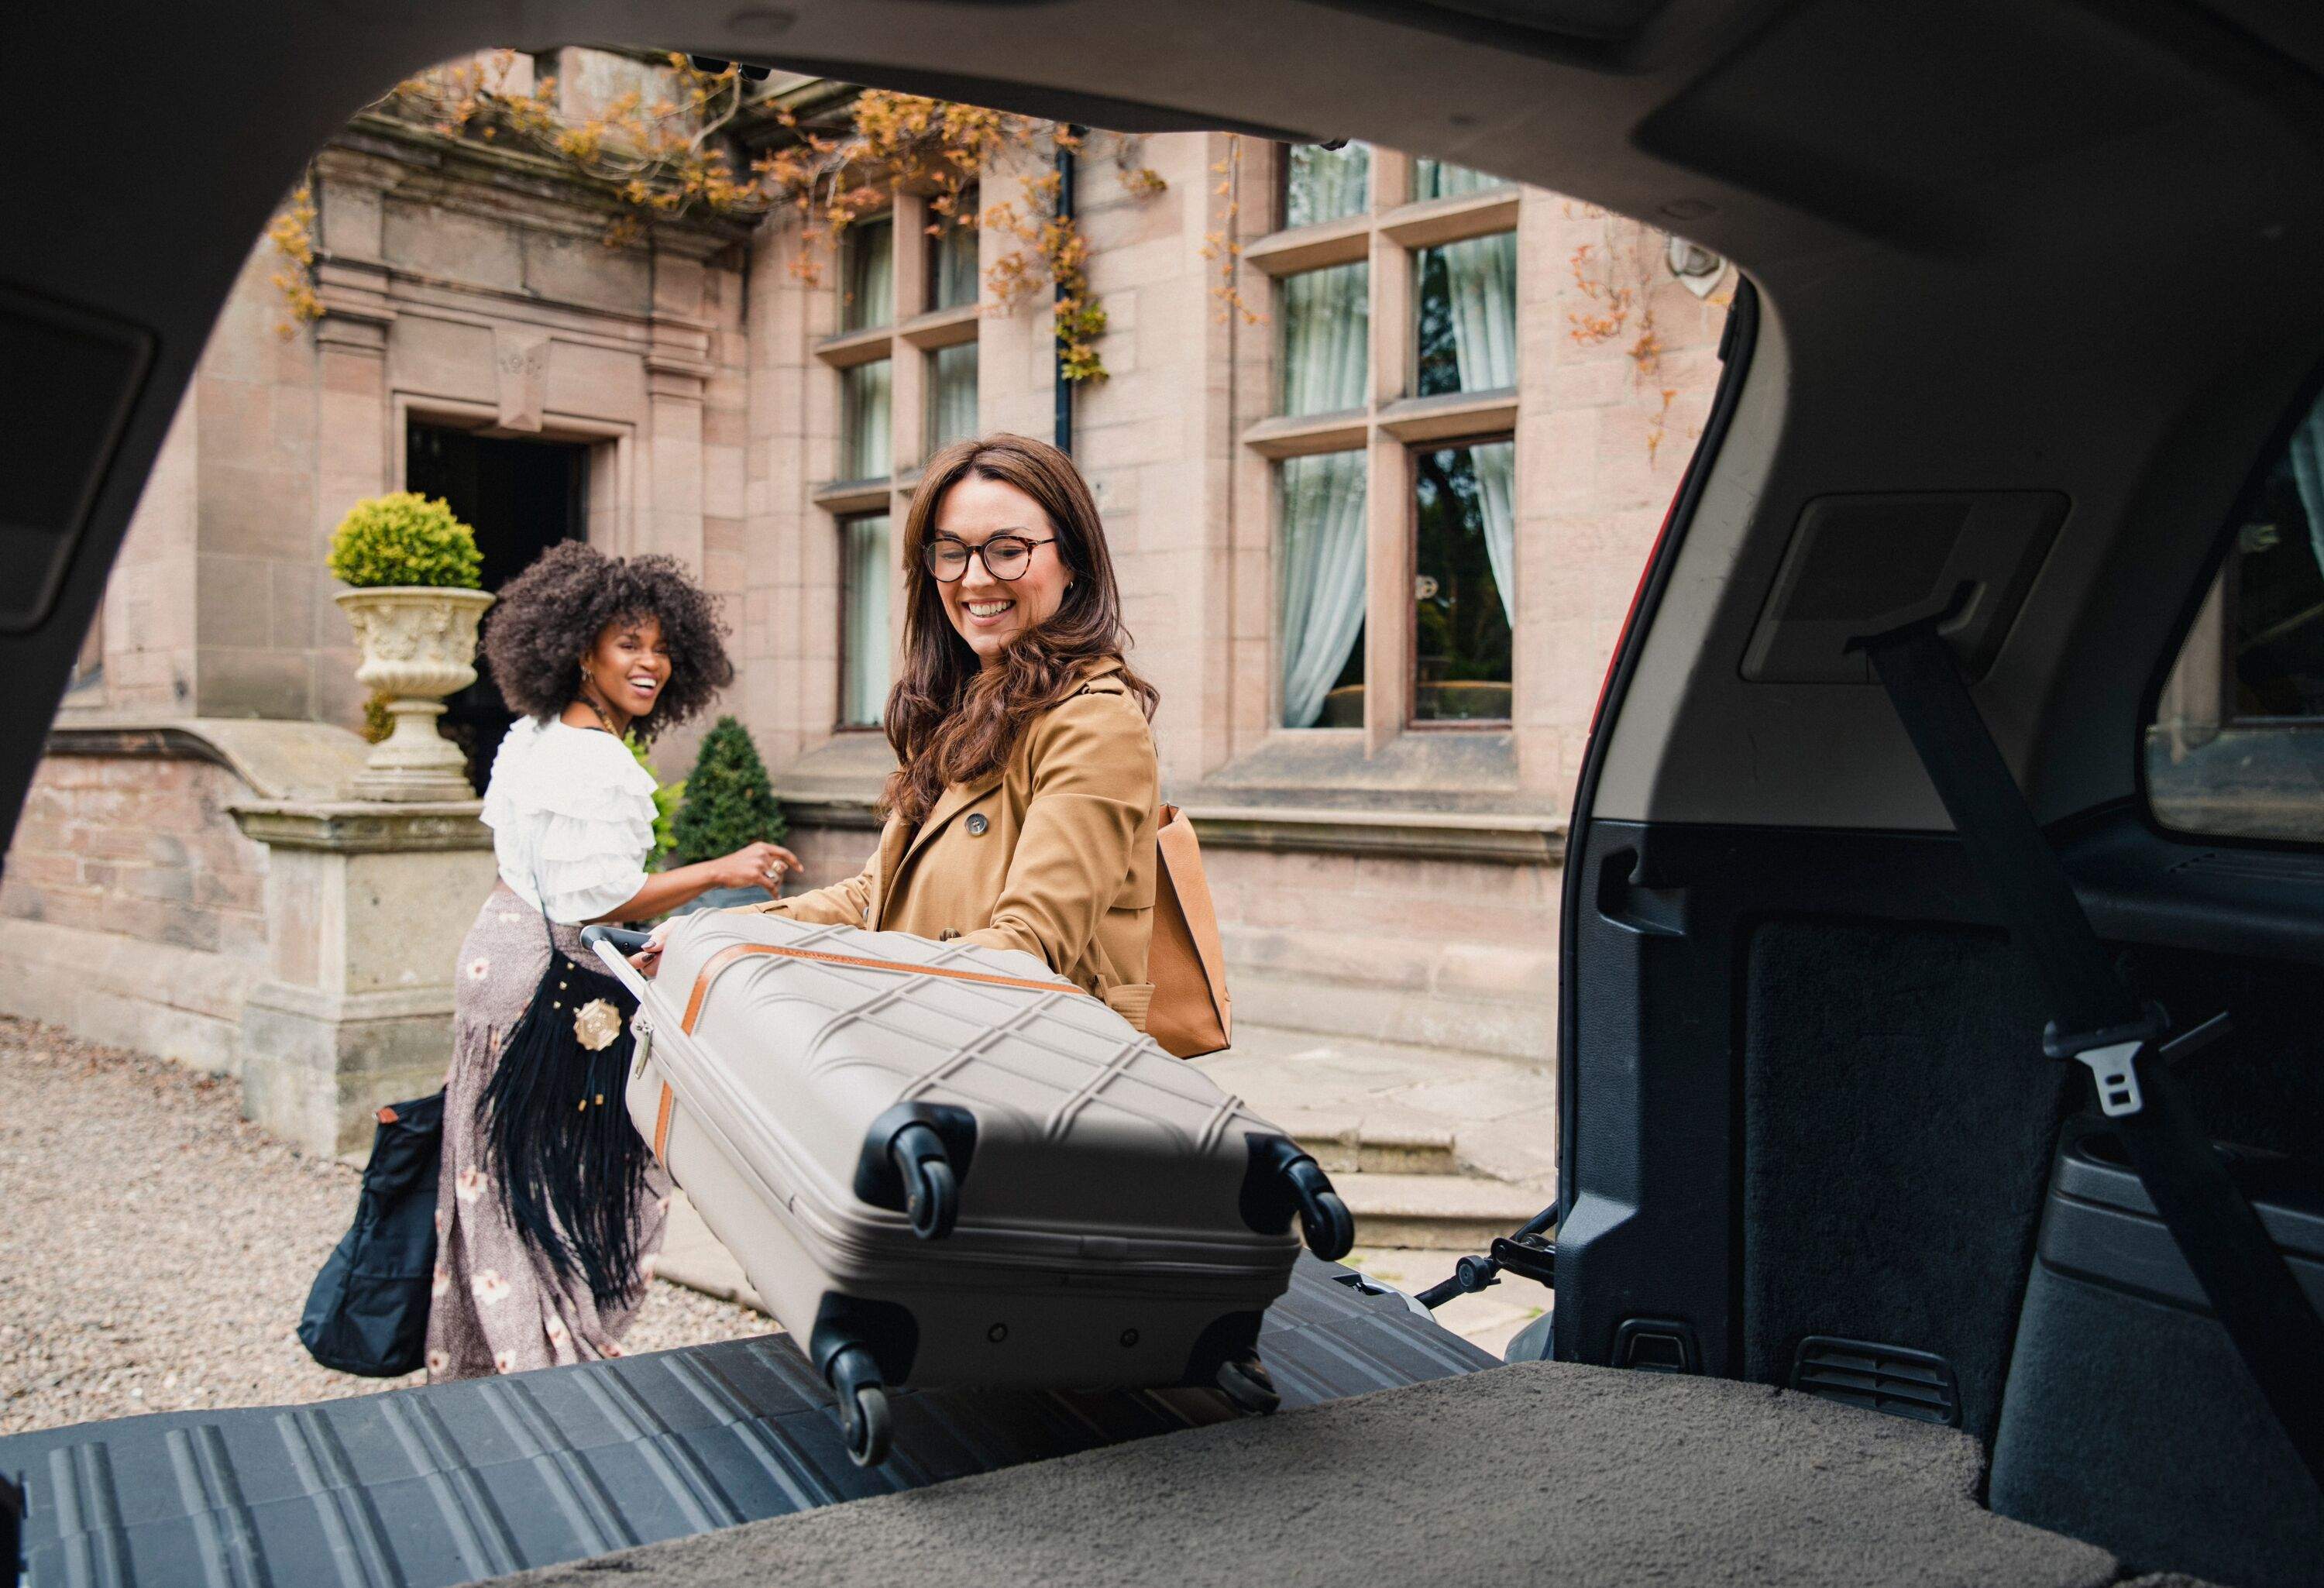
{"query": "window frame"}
pixel 1278 352
pixel 906 341
pixel 849 241
pixel 929 444
pixel 972 201
pixel 1410 704
pixel 1281 214
pixel 1388 236
pixel 2247 500
pixel 848 379
pixel 840 521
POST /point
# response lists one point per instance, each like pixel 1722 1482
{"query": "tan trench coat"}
pixel 1053 854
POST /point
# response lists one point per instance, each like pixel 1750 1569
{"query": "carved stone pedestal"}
pixel 366 903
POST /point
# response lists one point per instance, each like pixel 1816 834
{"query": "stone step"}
pixel 1442 1213
pixel 1345 1145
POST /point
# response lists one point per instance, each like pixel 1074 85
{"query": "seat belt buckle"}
pixel 2111 1056
pixel 2115 1069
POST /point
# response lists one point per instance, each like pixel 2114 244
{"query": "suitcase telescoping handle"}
pixel 614 945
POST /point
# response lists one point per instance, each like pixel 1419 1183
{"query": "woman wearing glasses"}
pixel 1022 812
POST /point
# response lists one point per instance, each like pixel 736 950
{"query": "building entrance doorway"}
pixel 522 497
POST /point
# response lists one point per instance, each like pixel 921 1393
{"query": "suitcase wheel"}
pixel 1246 1382
pixel 863 1413
pixel 1324 1221
pixel 931 1190
pixel 1282 1180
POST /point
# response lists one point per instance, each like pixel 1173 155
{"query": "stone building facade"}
pixel 1381 448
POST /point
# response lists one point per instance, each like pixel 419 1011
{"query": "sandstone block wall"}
pixel 132 910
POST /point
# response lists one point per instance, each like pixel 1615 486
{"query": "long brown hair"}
pixel 952 720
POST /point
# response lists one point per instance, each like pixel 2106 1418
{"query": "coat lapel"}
pixel 896 852
pixel 950 804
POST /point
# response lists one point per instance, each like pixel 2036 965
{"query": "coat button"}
pixel 977 823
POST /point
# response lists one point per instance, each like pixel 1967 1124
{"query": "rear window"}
pixel 2236 747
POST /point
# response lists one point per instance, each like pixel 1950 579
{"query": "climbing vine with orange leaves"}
pixel 1222 245
pixel 669 158
pixel 1615 277
pixel 291 233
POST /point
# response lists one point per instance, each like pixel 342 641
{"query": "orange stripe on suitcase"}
pixel 662 1124
pixel 726 958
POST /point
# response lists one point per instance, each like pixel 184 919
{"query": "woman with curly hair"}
pixel 1023 811
pixel 541 1262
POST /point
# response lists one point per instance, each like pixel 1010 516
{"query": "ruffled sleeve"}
pixel 572 816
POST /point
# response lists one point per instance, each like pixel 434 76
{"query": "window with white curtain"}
pixel 1384 505
pixel 1321 583
pixel 1466 310
pixel 1464 549
pixel 864 412
pixel 867 274
pixel 1437 178
pixel 1323 355
pixel 1321 184
pixel 952 256
pixel 951 395
pixel 864 575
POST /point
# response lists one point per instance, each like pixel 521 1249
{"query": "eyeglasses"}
pixel 1006 557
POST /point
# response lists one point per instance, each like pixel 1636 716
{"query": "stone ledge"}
pixel 278 760
pixel 362 827
pixel 842 812
pixel 1406 835
pixel 316 1004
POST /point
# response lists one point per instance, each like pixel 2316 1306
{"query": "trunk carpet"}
pixel 1543 1473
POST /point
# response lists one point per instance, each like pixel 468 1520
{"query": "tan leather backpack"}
pixel 1191 1014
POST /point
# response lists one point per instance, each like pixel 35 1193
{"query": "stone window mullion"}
pixel 1387 645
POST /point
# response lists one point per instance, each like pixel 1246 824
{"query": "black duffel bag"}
pixel 368 1311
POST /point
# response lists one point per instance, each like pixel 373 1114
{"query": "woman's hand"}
pixel 645 959
pixel 756 865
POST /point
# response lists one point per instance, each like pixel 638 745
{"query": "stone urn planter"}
pixel 418 644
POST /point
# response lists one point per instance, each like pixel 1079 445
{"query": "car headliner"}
pixel 2001 245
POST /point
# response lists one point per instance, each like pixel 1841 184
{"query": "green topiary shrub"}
pixel 729 800
pixel 667 797
pixel 405 538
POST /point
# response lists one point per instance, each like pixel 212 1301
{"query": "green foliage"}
pixel 666 798
pixel 729 802
pixel 405 538
pixel 378 721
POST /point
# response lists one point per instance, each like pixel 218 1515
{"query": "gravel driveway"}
pixel 155 1248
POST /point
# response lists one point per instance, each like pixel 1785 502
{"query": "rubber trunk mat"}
pixel 453 1483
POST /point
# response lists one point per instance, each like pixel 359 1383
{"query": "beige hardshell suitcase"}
pixel 945 1163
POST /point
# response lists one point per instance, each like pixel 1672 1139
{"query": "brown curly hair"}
pixel 548 616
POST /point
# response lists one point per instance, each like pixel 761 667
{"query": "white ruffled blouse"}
pixel 571 807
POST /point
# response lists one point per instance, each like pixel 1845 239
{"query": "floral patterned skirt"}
pixel 498 1306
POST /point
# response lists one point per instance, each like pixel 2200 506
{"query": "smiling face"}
pixel 628 665
pixel 988 613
